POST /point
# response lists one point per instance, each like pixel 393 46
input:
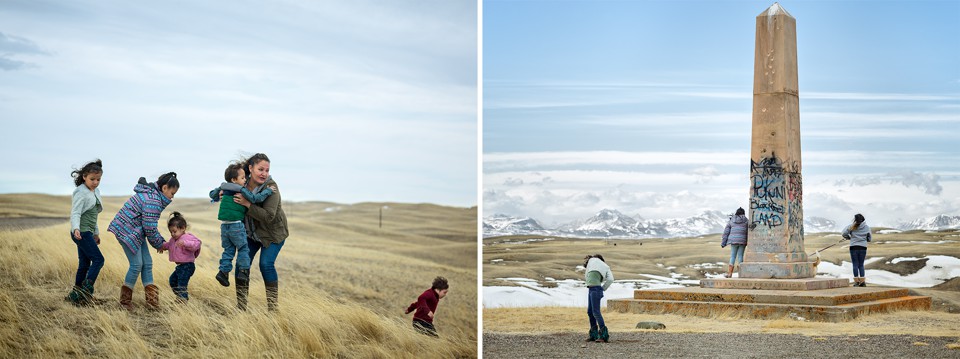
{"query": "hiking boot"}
pixel 223 278
pixel 243 286
pixel 594 335
pixel 126 296
pixel 272 292
pixel 86 292
pixel 152 295
pixel 604 335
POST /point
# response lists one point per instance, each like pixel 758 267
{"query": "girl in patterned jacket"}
pixel 135 226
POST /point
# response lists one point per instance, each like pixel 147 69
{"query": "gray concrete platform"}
pixel 828 305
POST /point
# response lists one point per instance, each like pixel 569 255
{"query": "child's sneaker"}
pixel 223 278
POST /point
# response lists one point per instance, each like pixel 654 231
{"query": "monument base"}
pixel 768 270
pixel 775 284
pixel 825 305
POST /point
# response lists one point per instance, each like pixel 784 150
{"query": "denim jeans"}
pixel 91 260
pixel 594 295
pixel 181 278
pixel 857 256
pixel 736 253
pixel 141 265
pixel 233 238
pixel 267 258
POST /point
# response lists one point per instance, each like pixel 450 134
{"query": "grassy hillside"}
pixel 344 283
pixel 557 258
pixel 535 258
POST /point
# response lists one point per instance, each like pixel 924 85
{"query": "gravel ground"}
pixel 716 345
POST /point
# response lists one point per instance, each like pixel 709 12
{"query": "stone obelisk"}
pixel 775 240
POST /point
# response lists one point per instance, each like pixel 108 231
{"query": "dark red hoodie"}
pixel 426 303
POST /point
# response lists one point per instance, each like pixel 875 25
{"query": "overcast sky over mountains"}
pixel 645 107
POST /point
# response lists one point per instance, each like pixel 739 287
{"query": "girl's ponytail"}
pixel 168 179
pixel 177 220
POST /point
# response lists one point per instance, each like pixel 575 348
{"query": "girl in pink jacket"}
pixel 184 248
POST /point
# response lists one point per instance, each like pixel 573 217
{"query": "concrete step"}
pixel 829 305
pixel 835 296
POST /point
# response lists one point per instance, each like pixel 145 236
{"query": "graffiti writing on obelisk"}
pixel 767 192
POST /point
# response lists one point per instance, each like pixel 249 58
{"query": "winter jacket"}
pixel 84 200
pixel 859 236
pixel 426 303
pixel 230 210
pixel 138 217
pixel 597 265
pixel 266 222
pixel 736 231
pixel 186 254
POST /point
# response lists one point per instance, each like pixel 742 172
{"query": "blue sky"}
pixel 645 107
pixel 352 100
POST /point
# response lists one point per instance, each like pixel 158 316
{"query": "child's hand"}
pixel 160 250
pixel 96 237
pixel 241 200
pixel 273 187
pixel 76 234
pixel 180 244
pixel 430 314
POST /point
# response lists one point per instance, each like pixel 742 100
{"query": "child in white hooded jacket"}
pixel 598 278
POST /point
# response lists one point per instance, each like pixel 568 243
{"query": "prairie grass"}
pixel 344 283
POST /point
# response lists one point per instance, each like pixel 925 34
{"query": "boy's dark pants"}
pixel 180 278
pixel 424 327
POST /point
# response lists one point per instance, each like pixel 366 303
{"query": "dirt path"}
pixel 716 345
pixel 23 223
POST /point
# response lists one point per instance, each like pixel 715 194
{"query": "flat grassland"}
pixel 516 256
pixel 344 283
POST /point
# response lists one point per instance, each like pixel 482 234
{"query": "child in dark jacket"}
pixel 426 306
pixel 233 235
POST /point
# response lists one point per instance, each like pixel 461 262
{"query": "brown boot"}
pixel 153 296
pixel 126 296
pixel 729 271
pixel 272 292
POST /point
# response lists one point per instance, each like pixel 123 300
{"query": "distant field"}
pixel 543 257
pixel 344 285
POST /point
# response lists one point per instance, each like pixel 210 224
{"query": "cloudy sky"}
pixel 645 107
pixel 352 100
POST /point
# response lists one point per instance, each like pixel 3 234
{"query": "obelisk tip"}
pixel 775 9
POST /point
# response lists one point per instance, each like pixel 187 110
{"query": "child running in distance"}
pixel 233 235
pixel 85 232
pixel 426 306
pixel 184 248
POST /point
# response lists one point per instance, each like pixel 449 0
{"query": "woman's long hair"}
pixel 857 221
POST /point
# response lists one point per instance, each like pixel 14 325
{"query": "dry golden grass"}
pixel 344 286
pixel 629 258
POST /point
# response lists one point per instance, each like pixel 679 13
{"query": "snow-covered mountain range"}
pixel 609 223
pixel 933 223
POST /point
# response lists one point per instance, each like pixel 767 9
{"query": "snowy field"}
pixel 572 293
